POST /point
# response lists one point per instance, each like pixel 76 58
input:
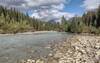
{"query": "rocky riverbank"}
pixel 77 49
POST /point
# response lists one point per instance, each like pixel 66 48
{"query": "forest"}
pixel 89 22
pixel 13 21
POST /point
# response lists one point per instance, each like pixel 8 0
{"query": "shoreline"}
pixel 41 32
pixel 77 49
pixel 28 33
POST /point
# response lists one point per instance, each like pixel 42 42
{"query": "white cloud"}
pixel 31 3
pixel 52 14
pixel 59 7
pixel 43 9
pixel 44 2
pixel 91 4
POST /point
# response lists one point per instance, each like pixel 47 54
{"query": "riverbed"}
pixel 15 47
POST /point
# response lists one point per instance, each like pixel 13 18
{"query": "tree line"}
pixel 13 21
pixel 89 22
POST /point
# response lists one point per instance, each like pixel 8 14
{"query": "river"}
pixel 22 46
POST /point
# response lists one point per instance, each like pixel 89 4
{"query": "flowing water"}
pixel 22 46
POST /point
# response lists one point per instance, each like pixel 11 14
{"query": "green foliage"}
pixel 12 21
pixel 64 24
pixel 88 23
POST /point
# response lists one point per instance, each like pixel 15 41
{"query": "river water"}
pixel 22 46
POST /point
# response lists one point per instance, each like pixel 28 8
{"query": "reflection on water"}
pixel 17 47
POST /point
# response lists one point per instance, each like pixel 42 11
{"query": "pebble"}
pixel 78 49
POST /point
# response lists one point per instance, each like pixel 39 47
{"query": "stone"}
pixel 39 61
pixel 98 53
pixel 78 49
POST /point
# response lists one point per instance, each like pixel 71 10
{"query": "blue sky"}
pixel 74 6
pixel 52 9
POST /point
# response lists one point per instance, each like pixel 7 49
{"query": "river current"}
pixel 22 46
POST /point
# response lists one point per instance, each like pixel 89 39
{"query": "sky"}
pixel 52 9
